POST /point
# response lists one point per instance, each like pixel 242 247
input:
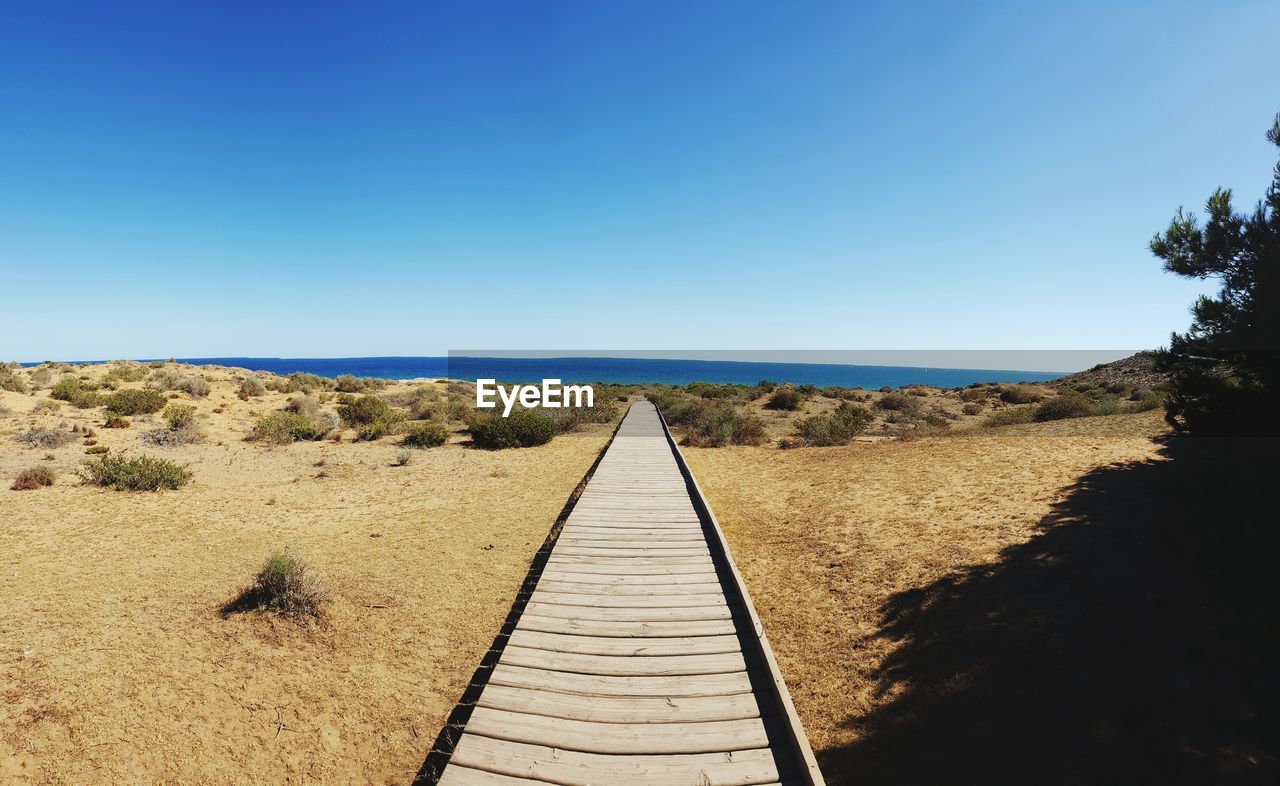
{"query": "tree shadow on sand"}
pixel 1131 641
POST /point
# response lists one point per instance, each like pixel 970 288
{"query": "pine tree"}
pixel 1225 370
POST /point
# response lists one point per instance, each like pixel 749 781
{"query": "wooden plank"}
pixel 629 615
pixel 629 628
pixel 613 601
pixel 619 738
pixel 624 666
pixel 551 584
pixel 620 709
pixel 458 774
pixel 592 551
pixel 605 579
pixel 648 544
pixel 623 645
pixel 572 768
pixel 649 567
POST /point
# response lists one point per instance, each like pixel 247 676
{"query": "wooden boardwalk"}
pixel 638 658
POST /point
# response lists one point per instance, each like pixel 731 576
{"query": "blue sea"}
pixel 631 370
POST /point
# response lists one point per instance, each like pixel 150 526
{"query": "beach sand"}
pixel 116 666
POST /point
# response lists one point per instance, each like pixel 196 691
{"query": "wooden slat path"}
pixel 638 658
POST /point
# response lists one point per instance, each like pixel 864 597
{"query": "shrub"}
pixel 252 386
pixel 126 372
pixel 46 405
pixel 33 478
pixel 784 398
pixel 285 586
pixel 138 473
pixel 67 388
pixel 1020 394
pixel 422 434
pixel 11 380
pixel 115 421
pixel 898 402
pixel 97 450
pixel 1065 405
pixel 305 383
pixel 371 416
pixel 346 383
pixel 403 457
pixel 196 386
pixel 973 394
pixel 303 405
pixel 678 409
pixel 837 428
pixel 46 437
pixel 281 428
pixel 180 416
pixel 522 429
pixel 1009 417
pixel 1107 405
pixel 725 425
pixel 165 378
pixel 87 399
pixel 971 409
pixel 136 401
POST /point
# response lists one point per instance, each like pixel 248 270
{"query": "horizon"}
pixel 1070 361
pixel 410 178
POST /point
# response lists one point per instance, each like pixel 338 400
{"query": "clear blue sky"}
pixel 328 179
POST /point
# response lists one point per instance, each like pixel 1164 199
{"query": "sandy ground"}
pixel 116 667
pixel 826 537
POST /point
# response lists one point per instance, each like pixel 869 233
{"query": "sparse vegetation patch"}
pixel 136 473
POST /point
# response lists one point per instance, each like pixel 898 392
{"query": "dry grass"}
pixel 116 666
pixel 827 537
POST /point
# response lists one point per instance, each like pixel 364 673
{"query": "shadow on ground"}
pixel 1132 641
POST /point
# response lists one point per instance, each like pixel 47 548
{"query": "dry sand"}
pixel 825 537
pixel 116 667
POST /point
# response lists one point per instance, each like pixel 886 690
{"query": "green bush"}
pixel 971 409
pixel 281 428
pixel 677 408
pixel 285 586
pixel 1107 405
pixel 1065 405
pixel 423 434
pixel 252 386
pixel 67 388
pixel 725 425
pixel 180 416
pixel 521 429
pixel 837 428
pixel 899 402
pixel 350 384
pixel 372 417
pixel 1020 394
pixel 11 380
pixel 785 398
pixel 137 473
pixel 115 421
pixel 125 372
pixel 136 401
